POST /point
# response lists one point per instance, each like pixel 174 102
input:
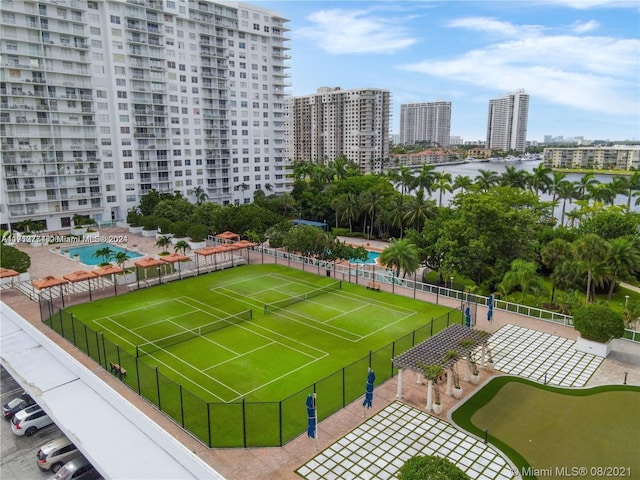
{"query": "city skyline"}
pixel 577 60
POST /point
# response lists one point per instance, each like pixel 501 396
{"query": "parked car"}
pixel 30 420
pixel 77 469
pixel 19 403
pixel 54 454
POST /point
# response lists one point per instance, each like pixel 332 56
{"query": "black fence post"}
pixel 104 350
pixel 344 388
pixel 118 352
pixel 138 376
pixel 181 405
pixel 393 354
pixel 280 420
pixel 86 339
pixel 62 325
pixel 431 334
pixel 369 358
pixel 244 423
pixel 158 389
pixel 209 423
pixel 98 348
pixel 73 329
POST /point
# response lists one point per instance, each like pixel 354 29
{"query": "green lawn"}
pixel 545 427
pixel 324 343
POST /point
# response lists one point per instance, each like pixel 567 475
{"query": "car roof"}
pixel 28 411
pixel 56 443
pixel 76 463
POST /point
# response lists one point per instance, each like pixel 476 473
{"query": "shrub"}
pixel 431 468
pixel 133 218
pixel 163 224
pixel 198 233
pixel 598 323
pixel 149 222
pixel 14 259
pixel 179 229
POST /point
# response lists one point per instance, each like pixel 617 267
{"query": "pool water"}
pixel 371 260
pixel 86 252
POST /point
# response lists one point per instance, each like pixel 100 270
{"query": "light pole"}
pixel 626 300
pixel 451 285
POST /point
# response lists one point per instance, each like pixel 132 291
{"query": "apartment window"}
pixel 92 5
pixel 127 164
pixel 128 176
pixel 122 94
pixel 115 19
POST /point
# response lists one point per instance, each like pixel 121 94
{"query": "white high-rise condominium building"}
pixel 103 101
pixel 507 122
pixel 335 122
pixel 425 122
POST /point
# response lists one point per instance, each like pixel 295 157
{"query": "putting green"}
pixel 547 428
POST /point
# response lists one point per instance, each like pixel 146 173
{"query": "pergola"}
pixel 221 249
pixel 173 258
pixel 109 270
pixel 8 273
pixel 48 283
pixel 226 237
pixel 148 263
pixel 435 351
pixel 81 276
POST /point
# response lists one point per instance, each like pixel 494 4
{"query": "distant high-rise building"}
pixel 333 122
pixel 507 122
pixel 105 101
pixel 455 140
pixel 425 122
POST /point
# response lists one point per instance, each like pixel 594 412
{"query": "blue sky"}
pixel 579 60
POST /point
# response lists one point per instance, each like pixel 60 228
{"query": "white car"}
pixel 30 420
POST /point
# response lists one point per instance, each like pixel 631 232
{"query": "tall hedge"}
pixel 430 467
pixel 598 323
pixel 14 259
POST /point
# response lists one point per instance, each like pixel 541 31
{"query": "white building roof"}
pixel 118 439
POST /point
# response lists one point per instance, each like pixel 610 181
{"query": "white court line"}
pixel 184 362
pixel 168 319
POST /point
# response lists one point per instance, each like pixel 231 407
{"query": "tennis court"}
pixel 255 333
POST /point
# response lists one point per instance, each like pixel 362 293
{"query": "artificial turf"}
pixel 554 431
pixel 245 384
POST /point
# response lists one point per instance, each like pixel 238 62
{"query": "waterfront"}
pixel 472 170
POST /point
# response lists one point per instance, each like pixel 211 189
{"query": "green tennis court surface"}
pixel 213 335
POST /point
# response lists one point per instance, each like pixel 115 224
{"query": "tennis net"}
pixel 168 341
pixel 275 306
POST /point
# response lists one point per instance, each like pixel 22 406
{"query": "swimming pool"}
pixel 371 260
pixel 86 252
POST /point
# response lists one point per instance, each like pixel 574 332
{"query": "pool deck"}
pixel 281 463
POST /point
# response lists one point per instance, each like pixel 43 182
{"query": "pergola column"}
pixel 428 408
pixel 449 391
pixel 467 366
pixel 483 354
pixel 419 379
pixel 399 391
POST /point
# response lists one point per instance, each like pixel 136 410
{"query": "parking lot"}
pixel 18 454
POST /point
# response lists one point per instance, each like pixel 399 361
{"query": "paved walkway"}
pixel 281 463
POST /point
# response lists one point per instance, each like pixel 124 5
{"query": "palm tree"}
pixel 601 192
pixel 418 210
pixel 623 257
pixel 512 177
pixel 486 179
pixel 462 182
pixel 403 177
pixel 573 216
pixel 397 209
pixel 268 187
pixel 426 178
pixel 370 202
pixel 442 183
pixel 120 258
pixel 200 195
pixel 539 179
pixel 340 167
pixel 590 249
pixel 302 170
pixel 633 188
pixel 105 253
pixel 584 182
pixel 566 191
pixel 553 254
pixel 524 275
pixel 163 242
pixel 402 255
pixel 181 246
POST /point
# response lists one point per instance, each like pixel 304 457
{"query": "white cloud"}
pixel 588 4
pixel 340 31
pixel 583 27
pixel 585 72
pixel 491 25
